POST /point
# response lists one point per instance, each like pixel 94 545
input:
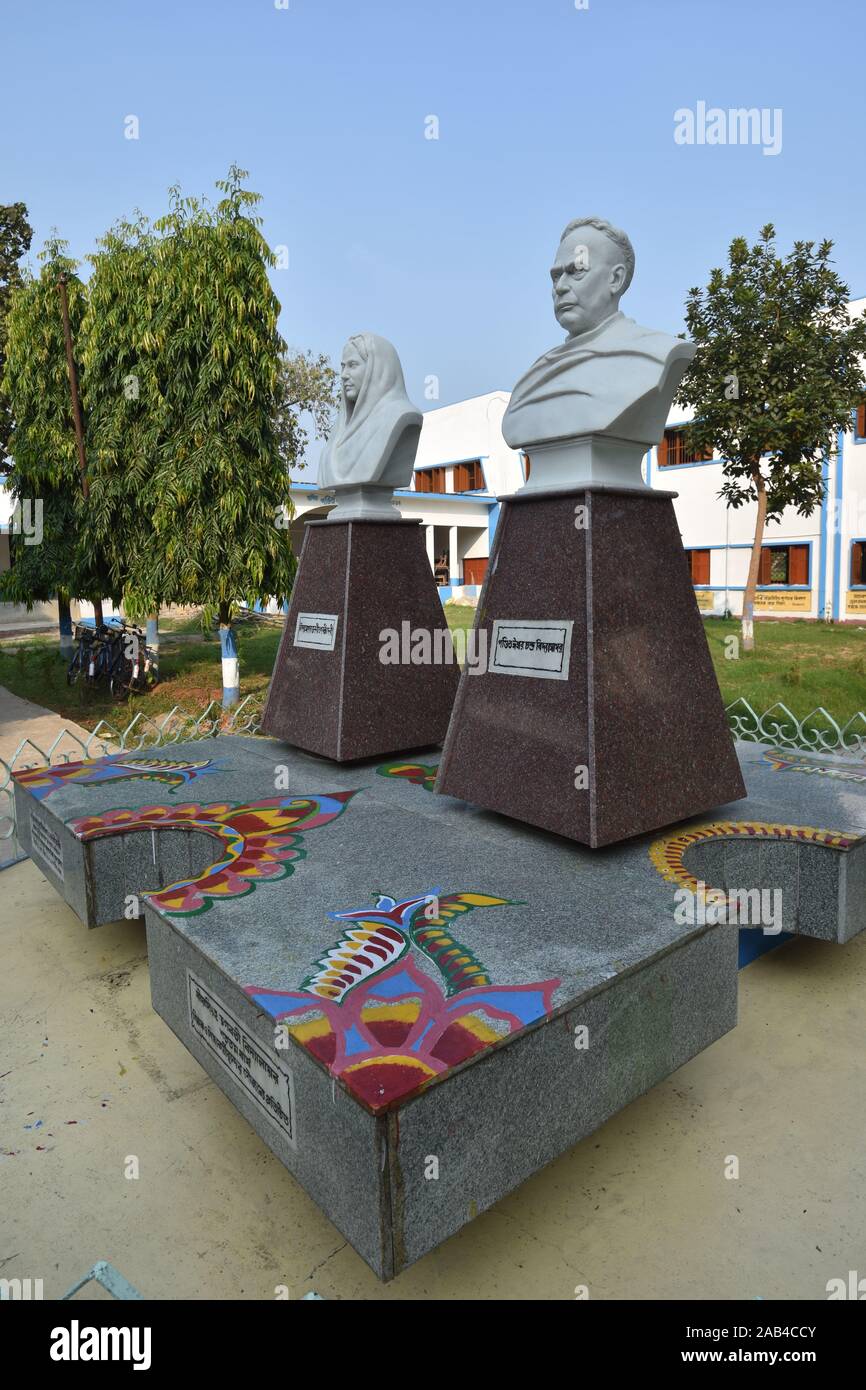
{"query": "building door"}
pixel 474 570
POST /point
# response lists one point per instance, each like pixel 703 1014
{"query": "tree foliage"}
pixel 122 394
pixel 43 447
pixel 307 388
pixel 776 376
pixel 218 483
pixel 16 235
pixel 194 410
pixel 194 405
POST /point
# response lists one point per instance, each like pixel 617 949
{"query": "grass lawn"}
pixel 803 664
pixel 189 664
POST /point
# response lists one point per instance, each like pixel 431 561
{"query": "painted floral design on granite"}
pixel 260 842
pixel 419 774
pixel 383 1026
pixel 801 762
pixel 115 767
pixel 667 853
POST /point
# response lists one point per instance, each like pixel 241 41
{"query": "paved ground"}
pixel 90 1077
pixel 20 719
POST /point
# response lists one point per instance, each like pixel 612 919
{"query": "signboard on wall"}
pixel 855 601
pixel 705 598
pixel 786 601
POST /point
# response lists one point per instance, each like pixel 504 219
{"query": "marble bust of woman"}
pixel 373 445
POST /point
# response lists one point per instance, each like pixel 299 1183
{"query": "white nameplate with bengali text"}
pixel 252 1064
pixel 46 843
pixel 317 630
pixel 526 648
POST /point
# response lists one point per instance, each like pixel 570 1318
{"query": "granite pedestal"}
pixel 417 1003
pixel 598 715
pixel 331 692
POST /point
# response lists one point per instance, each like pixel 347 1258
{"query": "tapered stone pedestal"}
pixel 331 691
pixel 599 715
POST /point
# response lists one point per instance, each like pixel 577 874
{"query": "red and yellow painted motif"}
pixel 667 853
pixel 259 842
pixel 383 1026
pixel 115 767
pixel 419 774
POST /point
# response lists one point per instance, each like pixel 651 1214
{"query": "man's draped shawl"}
pixel 612 380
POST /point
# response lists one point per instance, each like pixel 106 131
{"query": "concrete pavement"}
pixel 94 1087
pixel 20 719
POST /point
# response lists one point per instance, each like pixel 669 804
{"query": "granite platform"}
pixel 417 1003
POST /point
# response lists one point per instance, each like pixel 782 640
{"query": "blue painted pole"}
pixel 152 636
pixel 231 666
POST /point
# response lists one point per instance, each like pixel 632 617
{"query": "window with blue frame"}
pixel 430 480
pixel 699 565
pixel 674 450
pixel 784 564
pixel 469 477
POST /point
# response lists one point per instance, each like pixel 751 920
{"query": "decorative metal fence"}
pixel 818 732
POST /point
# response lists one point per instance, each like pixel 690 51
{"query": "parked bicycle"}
pixel 83 663
pixel 115 654
pixel 134 665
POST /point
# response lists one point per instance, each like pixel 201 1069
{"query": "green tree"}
pixel 194 412
pixel 45 476
pixel 16 235
pixel 153 396
pixel 219 480
pixel 123 400
pixel 307 388
pixel 213 481
pixel 777 373
pixel 122 390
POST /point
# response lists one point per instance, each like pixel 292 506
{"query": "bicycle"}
pixel 83 661
pixel 117 655
pixel 133 667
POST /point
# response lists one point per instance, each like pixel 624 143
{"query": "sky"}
pixel 545 112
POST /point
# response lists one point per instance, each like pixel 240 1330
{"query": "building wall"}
pixel 706 523
pixel 467 429
pixel 471 429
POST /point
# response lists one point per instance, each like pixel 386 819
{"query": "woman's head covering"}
pixel 368 429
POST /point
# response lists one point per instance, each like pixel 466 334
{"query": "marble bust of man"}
pixel 373 445
pixel 611 376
